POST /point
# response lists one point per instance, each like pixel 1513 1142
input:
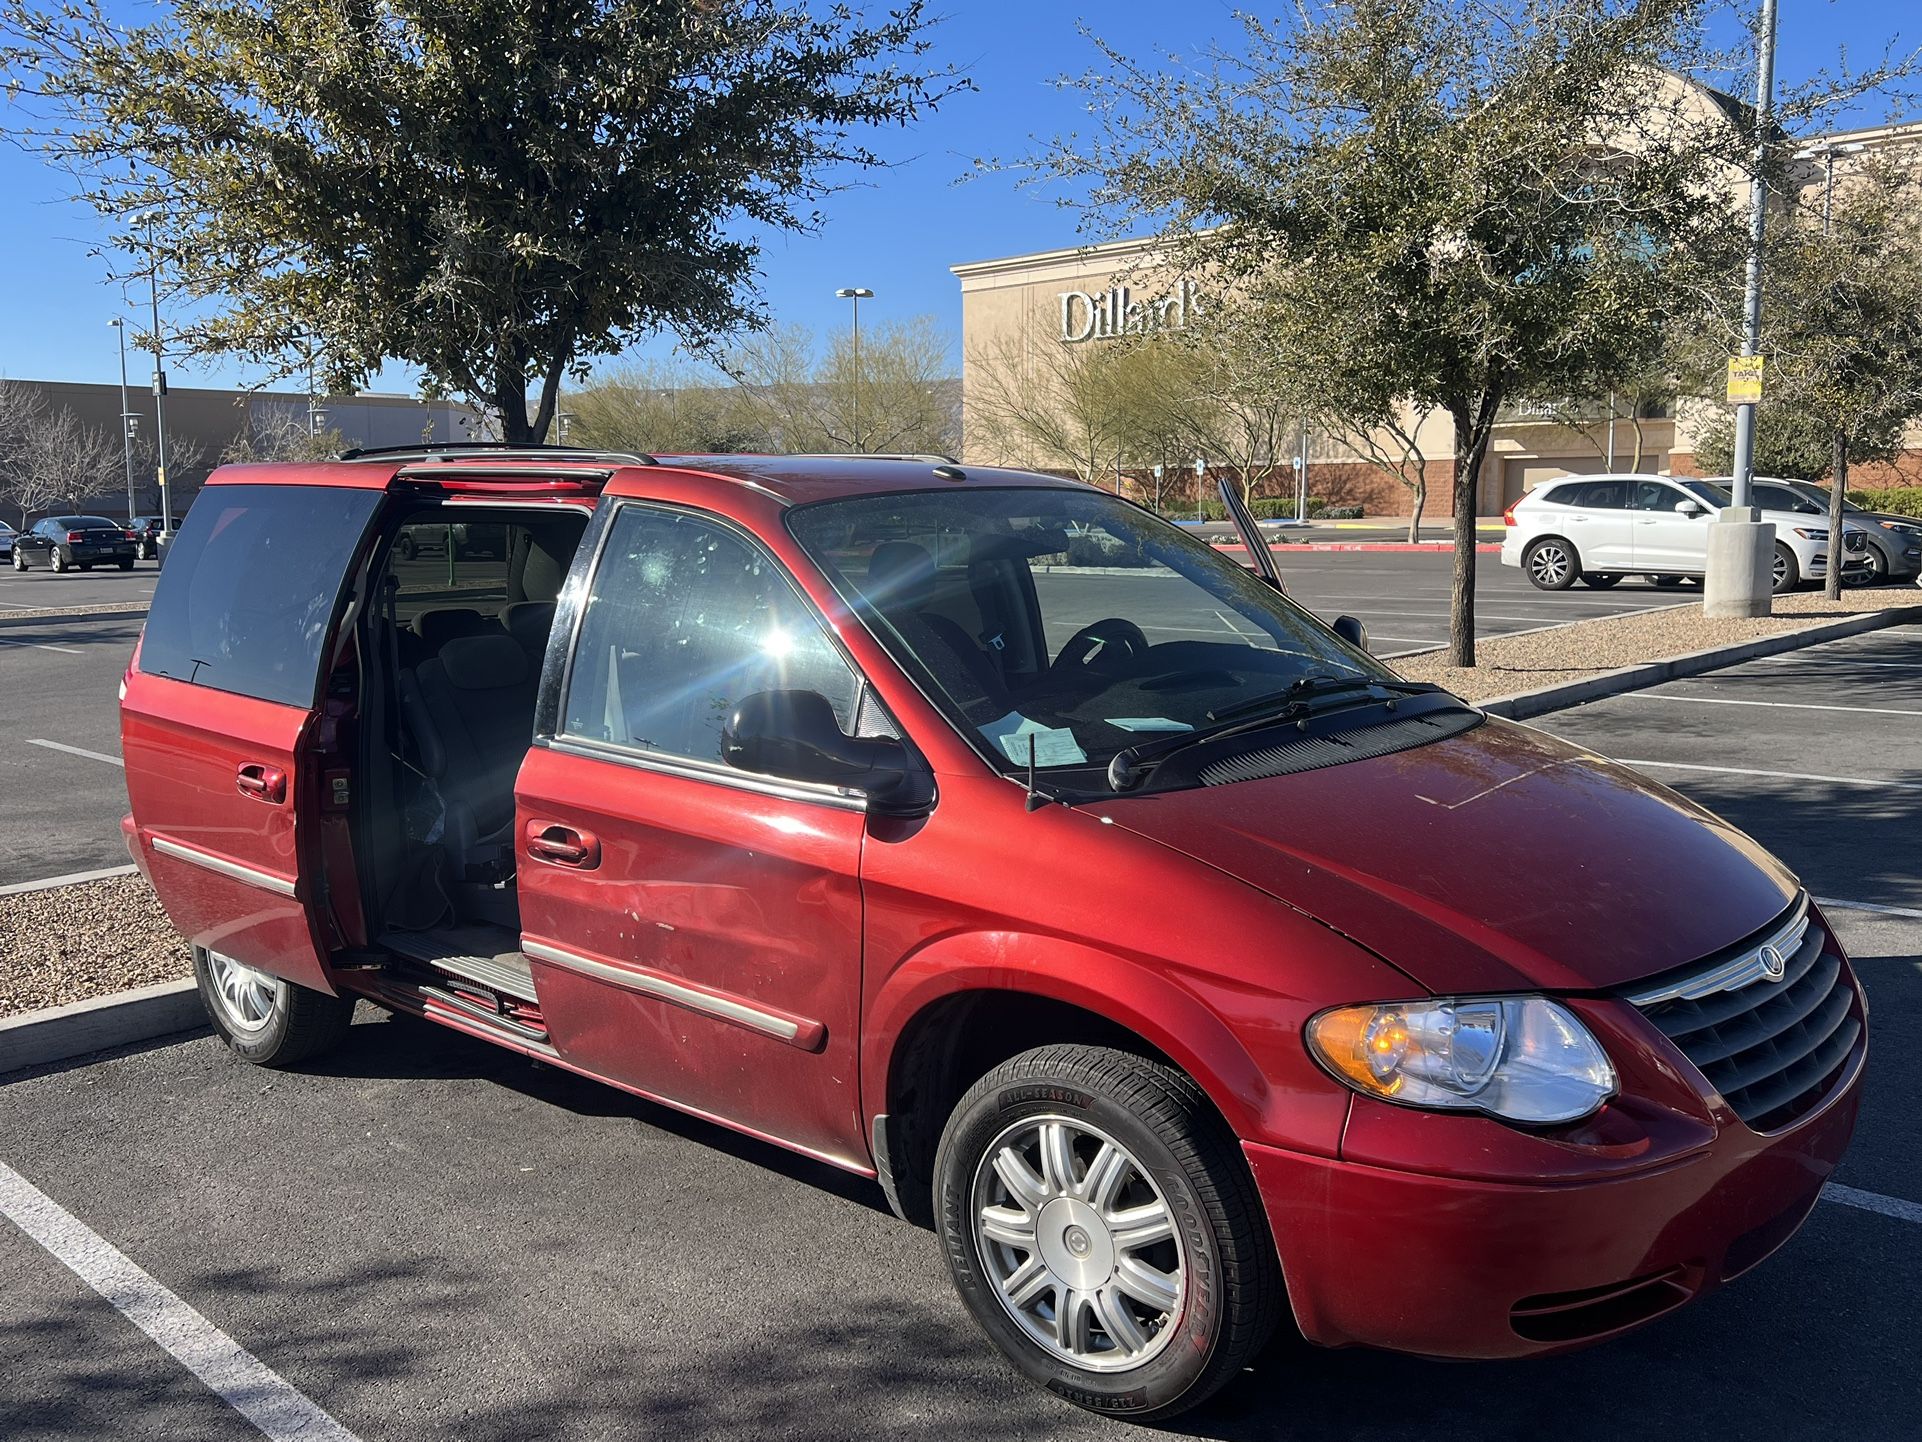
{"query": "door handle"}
pixel 262 782
pixel 563 845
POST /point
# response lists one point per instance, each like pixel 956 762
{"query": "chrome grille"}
pixel 1772 1048
pixel 1310 753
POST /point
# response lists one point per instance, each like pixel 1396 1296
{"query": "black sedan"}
pixel 146 535
pixel 63 543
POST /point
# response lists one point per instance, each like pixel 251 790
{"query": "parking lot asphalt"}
pixel 34 590
pixel 432 1238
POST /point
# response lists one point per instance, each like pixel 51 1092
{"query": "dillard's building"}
pixel 1093 295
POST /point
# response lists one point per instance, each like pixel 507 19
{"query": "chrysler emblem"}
pixel 1773 963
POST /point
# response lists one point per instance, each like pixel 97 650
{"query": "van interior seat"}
pixel 530 623
pixel 470 713
pixel 900 584
pixel 441 624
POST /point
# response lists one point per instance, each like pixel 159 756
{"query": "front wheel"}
pixel 19 559
pixel 1667 583
pixel 1600 582
pixel 1785 575
pixel 1101 1225
pixel 1552 565
pixel 268 1021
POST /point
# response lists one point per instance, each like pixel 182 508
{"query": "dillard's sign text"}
pixel 1113 313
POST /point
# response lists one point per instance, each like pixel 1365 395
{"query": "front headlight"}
pixel 1523 1058
pixel 1811 533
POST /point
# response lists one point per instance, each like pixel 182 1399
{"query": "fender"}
pixel 1270 1093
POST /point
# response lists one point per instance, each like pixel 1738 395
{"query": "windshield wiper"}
pixel 1299 699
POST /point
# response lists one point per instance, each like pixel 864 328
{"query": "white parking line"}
pixel 241 1380
pixel 74 878
pixel 1834 904
pixel 1778 775
pixel 78 751
pixel 1897 1207
pixel 40 645
pixel 1776 705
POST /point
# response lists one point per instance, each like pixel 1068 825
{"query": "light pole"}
pixel 126 416
pixel 159 388
pixel 856 294
pixel 1741 545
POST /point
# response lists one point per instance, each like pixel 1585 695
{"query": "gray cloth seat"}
pixel 530 623
pixel 470 713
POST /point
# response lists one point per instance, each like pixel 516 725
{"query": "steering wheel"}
pixel 1106 647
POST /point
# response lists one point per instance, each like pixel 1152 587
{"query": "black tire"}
pixel 302 1023
pixel 125 565
pixel 19 559
pixel 1667 583
pixel 57 561
pixel 405 549
pixel 1179 1152
pixel 85 565
pixel 1787 574
pixel 1552 564
pixel 1602 581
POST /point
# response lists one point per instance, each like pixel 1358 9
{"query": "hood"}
pixel 1501 859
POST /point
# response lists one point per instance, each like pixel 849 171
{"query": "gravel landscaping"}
pixel 74 942
pixel 1511 664
pixel 37 613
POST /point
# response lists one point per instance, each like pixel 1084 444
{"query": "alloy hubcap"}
pixel 1078 1243
pixel 1550 563
pixel 246 996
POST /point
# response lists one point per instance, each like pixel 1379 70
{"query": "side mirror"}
pixel 793 735
pixel 1351 631
pixel 1688 508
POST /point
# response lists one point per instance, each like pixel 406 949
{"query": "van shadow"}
pixel 396 1047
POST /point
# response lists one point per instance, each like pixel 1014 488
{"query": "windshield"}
pixel 1064 624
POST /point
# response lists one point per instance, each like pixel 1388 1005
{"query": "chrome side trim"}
pixel 779 1027
pixel 265 880
pixel 1751 965
pixel 821 795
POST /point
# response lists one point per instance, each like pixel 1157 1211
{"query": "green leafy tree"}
pixel 492 194
pixel 891 394
pixel 1485 202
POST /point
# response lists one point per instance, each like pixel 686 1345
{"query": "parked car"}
pixel 460 540
pixel 63 543
pixel 1597 529
pixel 1895 542
pixel 146 535
pixel 6 541
pixel 1149 946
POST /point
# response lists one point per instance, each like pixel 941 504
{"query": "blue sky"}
pixel 897 233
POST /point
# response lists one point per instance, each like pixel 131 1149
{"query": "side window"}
pixel 1654 496
pixel 1779 498
pixel 250 586
pixel 686 617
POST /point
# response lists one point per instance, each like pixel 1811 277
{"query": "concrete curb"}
pixel 59 1033
pixel 1653 673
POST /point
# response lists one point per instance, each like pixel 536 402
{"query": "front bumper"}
pixel 1474 1267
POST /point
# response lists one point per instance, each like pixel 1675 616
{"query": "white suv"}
pixel 1597 529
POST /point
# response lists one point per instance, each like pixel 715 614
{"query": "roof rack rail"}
pixel 930 457
pixel 502 450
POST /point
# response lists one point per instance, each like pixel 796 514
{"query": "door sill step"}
pixel 466 952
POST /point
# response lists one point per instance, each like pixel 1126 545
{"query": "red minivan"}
pixel 982 833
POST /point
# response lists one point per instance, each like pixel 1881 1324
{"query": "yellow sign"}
pixel 1744 379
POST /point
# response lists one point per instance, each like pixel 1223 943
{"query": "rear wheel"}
pixel 1602 581
pixel 264 1019
pixel 1667 583
pixel 125 565
pixel 1552 564
pixel 1101 1225
pixel 1785 574
pixel 56 560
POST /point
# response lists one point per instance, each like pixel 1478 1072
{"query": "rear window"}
pixel 248 590
pixel 85 523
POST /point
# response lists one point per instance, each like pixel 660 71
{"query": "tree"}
pixel 1485 202
pixel 490 193
pixel 895 396
pixel 651 409
pixel 1051 404
pixel 274 433
pixel 55 457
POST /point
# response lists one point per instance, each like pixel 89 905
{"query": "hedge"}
pixel 1276 508
pixel 1903 501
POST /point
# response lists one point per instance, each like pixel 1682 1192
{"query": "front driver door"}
pixel 695 931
